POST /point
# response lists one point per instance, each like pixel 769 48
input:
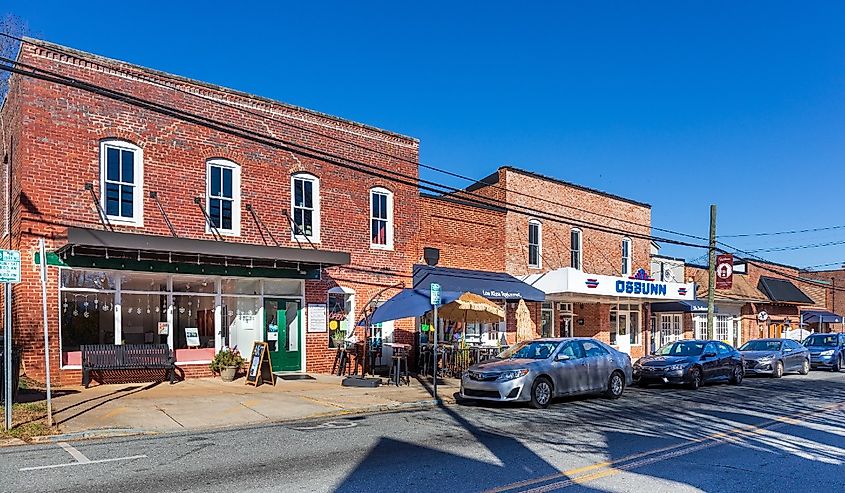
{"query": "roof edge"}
pixel 208 85
pixel 575 185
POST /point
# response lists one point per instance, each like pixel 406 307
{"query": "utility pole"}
pixel 711 288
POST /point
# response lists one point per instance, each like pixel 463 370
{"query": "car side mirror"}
pixel 709 355
pixel 563 357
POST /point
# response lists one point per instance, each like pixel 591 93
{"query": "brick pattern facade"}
pixel 55 132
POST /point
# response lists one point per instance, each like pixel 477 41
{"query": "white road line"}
pixel 54 466
pixel 76 454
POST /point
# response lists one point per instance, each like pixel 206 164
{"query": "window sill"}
pixel 386 248
pixel 232 233
pixel 122 221
pixel 306 239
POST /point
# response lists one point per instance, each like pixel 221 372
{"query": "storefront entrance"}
pixel 283 333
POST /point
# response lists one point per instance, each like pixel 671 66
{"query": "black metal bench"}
pixel 126 357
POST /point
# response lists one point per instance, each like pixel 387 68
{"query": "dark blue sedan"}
pixel 692 363
pixel 826 351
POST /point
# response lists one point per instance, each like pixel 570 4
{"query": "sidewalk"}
pixel 208 403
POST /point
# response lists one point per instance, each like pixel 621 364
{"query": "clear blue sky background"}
pixel 678 104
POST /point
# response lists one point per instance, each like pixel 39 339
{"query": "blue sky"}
pixel 678 104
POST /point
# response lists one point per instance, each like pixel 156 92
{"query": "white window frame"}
pixel 137 218
pixel 388 245
pixel 580 264
pixel 539 264
pixel 627 260
pixel 315 202
pixel 236 195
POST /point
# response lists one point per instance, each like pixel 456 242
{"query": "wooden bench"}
pixel 126 357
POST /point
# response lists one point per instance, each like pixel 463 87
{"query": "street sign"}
pixel 10 266
pixel 724 271
pixel 435 294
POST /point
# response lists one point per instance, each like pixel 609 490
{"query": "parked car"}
pixel 775 357
pixel 538 371
pixel 826 350
pixel 692 363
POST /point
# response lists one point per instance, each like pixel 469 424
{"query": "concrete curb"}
pixel 98 433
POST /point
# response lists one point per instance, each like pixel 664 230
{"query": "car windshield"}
pixel 821 340
pixel 682 348
pixel 529 350
pixel 761 346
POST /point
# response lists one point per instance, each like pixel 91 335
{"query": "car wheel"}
pixel 694 379
pixel 836 366
pixel 737 375
pixel 615 386
pixel 778 372
pixel 541 393
pixel 805 368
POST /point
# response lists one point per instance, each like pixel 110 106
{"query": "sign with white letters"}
pixel 435 294
pixel 10 266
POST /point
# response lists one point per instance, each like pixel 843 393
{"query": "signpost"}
pixel 435 301
pixel 724 271
pixel 42 249
pixel 10 273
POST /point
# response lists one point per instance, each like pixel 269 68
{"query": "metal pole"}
pixel 711 289
pixel 434 352
pixel 43 251
pixel 7 356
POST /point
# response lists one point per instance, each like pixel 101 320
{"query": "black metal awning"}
pixel 110 245
pixel 782 291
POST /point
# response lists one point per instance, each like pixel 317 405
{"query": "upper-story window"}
pixel 305 203
pixel 535 240
pixel 626 256
pixel 381 218
pixel 122 181
pixel 223 193
pixel 576 249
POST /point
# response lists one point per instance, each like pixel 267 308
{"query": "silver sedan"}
pixel 539 370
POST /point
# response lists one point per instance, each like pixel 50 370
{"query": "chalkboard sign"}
pixel 260 369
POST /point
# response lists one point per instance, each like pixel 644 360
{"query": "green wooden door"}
pixel 283 333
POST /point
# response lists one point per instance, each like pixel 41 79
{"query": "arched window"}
pixel 122 182
pixel 223 195
pixel 626 256
pixel 305 206
pixel 576 249
pixel 381 218
pixel 535 243
pixel 341 314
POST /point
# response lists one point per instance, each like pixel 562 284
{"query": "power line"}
pixel 352 143
pixel 776 233
pixel 306 151
pixel 798 247
pixel 809 267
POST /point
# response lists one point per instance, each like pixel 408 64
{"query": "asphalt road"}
pixel 766 435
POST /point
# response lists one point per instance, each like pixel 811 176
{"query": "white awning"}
pixel 572 284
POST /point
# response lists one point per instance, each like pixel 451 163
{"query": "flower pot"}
pixel 227 373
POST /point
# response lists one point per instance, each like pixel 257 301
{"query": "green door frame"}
pixel 281 358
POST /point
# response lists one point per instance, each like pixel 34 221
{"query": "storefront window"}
pixel 240 286
pixel 87 279
pixel 340 317
pixel 86 318
pixel 192 284
pixel 136 281
pixel 283 287
pixel 241 322
pixel 193 314
pixel 140 315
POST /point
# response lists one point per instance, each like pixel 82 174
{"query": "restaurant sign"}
pixel 495 293
pixel 640 285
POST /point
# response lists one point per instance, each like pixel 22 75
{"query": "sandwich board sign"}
pixel 260 369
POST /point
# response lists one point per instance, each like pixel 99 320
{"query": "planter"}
pixel 227 373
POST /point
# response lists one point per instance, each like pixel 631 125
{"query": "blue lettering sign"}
pixel 620 286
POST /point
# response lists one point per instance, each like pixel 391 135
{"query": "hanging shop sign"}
pixel 260 369
pixel 724 271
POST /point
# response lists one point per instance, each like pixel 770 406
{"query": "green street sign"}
pixel 10 266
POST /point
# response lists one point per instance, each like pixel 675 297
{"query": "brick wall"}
pixel 468 236
pixel 56 132
pixel 835 293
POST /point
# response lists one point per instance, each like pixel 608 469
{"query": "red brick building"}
pixel 550 232
pixel 247 220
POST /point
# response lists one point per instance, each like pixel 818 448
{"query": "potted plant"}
pixel 227 363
